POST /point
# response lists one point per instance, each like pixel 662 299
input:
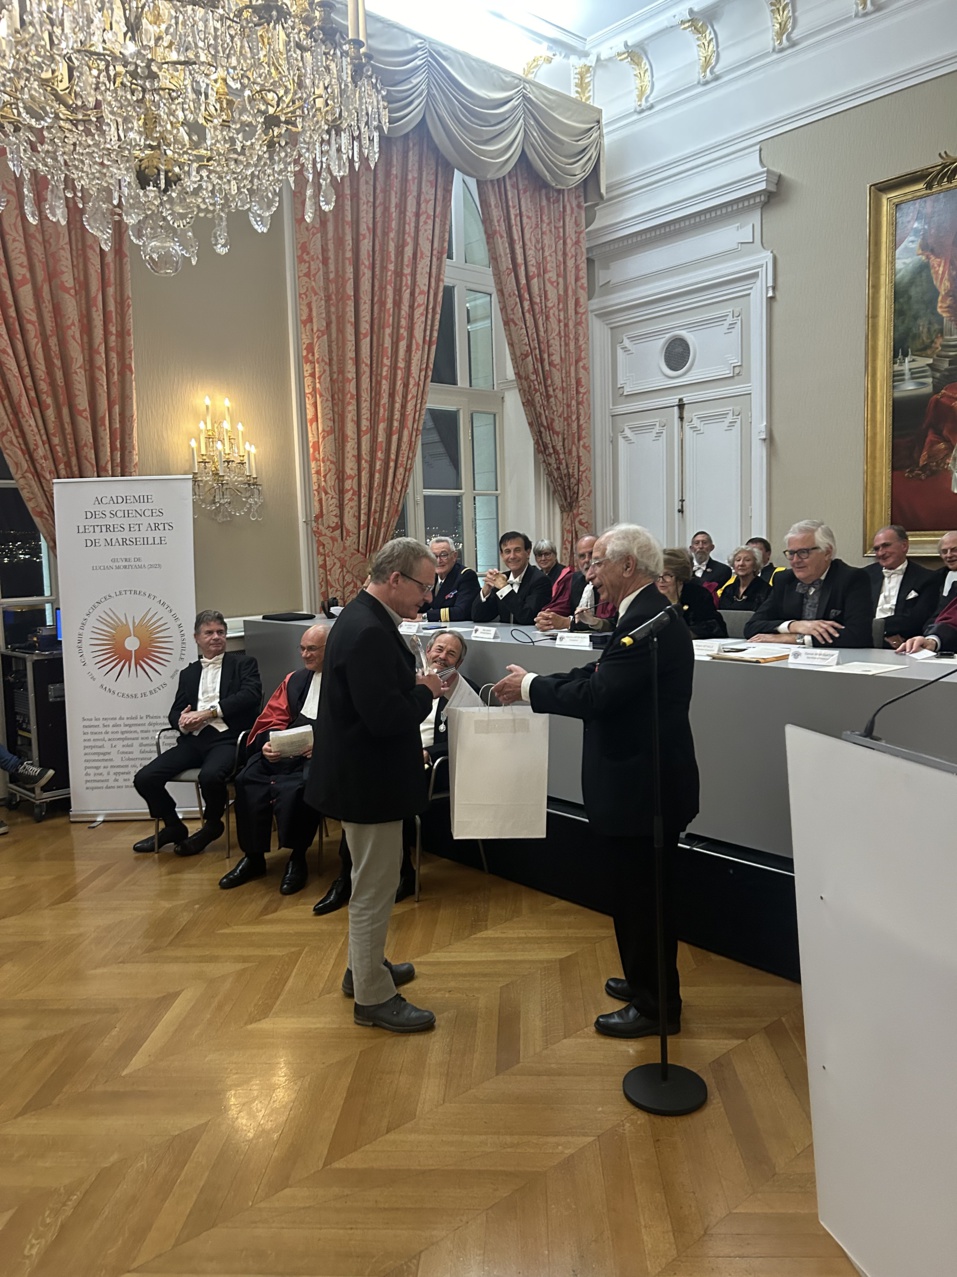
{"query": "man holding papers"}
pixel 272 782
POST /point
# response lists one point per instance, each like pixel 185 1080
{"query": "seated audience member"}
pixel 695 603
pixel 445 650
pixel 23 773
pixel 271 784
pixel 456 587
pixel 941 634
pixel 586 611
pixel 819 601
pixel 945 578
pixel 902 593
pixel 546 557
pixel 744 591
pixel 515 598
pixel 706 569
pixel 225 689
pixel 768 571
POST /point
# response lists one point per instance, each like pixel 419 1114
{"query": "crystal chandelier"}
pixel 165 111
pixel 225 481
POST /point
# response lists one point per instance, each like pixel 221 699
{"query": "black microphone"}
pixel 665 617
pixel 868 732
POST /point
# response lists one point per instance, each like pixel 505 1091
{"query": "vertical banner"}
pixel 127 599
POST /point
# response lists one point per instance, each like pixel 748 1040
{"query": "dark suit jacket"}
pixel 453 597
pixel 700 611
pixel 754 595
pixel 715 571
pixel 845 598
pixel 368 742
pixel 941 599
pixel 612 698
pixel 281 710
pixel 240 693
pixel 910 615
pixel 944 627
pixel 521 609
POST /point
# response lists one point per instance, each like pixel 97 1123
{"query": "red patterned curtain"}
pixel 370 291
pixel 66 352
pixel 536 240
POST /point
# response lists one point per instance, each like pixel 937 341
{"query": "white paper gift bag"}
pixel 498 759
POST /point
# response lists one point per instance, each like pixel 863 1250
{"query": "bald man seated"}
pixel 271 784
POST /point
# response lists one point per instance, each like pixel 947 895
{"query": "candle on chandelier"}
pixel 239 439
pixel 226 406
pixel 192 448
pixel 247 461
pixel 202 438
pixel 207 414
pixel 353 19
pixel 252 459
pixel 218 459
pixel 363 35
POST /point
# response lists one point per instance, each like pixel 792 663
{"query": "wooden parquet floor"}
pixel 183 1091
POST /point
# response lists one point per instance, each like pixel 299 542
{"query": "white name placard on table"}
pixel 807 656
pixel 485 633
pixel 566 639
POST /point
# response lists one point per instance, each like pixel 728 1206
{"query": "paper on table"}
pixel 865 667
pixel 757 653
pixel 292 742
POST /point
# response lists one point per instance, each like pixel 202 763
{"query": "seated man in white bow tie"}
pixel 217 698
pixel 903 593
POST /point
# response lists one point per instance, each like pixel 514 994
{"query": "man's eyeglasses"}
pixel 803 555
pixel 426 589
pixel 445 554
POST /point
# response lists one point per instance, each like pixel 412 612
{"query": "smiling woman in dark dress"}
pixel 745 591
pixel 695 603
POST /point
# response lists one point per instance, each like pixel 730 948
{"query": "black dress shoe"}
pixel 617 988
pixel 245 871
pixel 199 841
pixel 172 833
pixel 295 878
pixel 337 896
pixel 630 1023
pixel 406 887
pixel 401 973
pixel 396 1015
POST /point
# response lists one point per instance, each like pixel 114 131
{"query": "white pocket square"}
pixel 912 595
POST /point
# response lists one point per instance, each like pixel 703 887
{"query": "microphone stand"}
pixel 668 1090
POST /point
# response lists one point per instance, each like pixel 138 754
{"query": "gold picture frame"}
pixel 910 468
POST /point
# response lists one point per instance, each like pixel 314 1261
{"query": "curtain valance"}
pixel 482 118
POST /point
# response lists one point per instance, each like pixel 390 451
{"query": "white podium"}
pixel 875 859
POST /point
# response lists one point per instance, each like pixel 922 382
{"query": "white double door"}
pixel 683 469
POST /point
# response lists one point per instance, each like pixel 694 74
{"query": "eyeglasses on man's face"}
pixel 426 589
pixel 442 555
pixel 803 554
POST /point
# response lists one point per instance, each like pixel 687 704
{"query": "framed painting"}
pixel 911 415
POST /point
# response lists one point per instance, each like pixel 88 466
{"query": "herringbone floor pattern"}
pixel 183 1092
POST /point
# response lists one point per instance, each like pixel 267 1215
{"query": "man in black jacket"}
pixel 516 598
pixel 819 601
pixel 903 593
pixel 612 698
pixel 704 566
pixel 217 698
pixel 456 587
pixel 371 776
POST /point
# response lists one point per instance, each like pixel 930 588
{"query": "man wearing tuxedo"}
pixel 518 597
pixel 903 593
pixel 371 775
pixel 612 698
pixel 945 578
pixel 456 587
pixel 218 697
pixel 819 601
pixel 709 571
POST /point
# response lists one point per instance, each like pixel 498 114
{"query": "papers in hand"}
pixel 292 742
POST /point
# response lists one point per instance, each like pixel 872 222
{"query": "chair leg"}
pixel 481 847
pixel 417 860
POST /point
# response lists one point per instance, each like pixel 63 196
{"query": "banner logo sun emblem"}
pixel 131 645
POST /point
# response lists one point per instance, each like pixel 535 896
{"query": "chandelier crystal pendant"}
pixel 165 111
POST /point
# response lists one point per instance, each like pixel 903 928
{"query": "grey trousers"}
pixel 376 860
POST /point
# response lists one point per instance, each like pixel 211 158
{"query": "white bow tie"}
pixel 894 571
pixel 213 661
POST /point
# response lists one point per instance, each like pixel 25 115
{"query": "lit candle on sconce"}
pixel 353 19
pixel 228 419
pixel 192 448
pixel 240 450
pixel 252 460
pixel 202 438
pixel 207 414
pixel 363 34
pixel 246 453
pixel 218 458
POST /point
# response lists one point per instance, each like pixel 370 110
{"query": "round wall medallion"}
pixel 677 354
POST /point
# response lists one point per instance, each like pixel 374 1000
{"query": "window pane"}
pixel 443 518
pixel 484 469
pixel 476 249
pixel 479 310
pixel 445 368
pixel 441 465
pixel 21 549
pixel 486 533
pixel 402 522
pixel 4 468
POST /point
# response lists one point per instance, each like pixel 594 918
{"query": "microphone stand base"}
pixel 681 1092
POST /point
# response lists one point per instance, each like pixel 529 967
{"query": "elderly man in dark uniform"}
pixel 455 586
pixel 372 776
pixel 273 779
pixel 612 698
pixel 217 698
